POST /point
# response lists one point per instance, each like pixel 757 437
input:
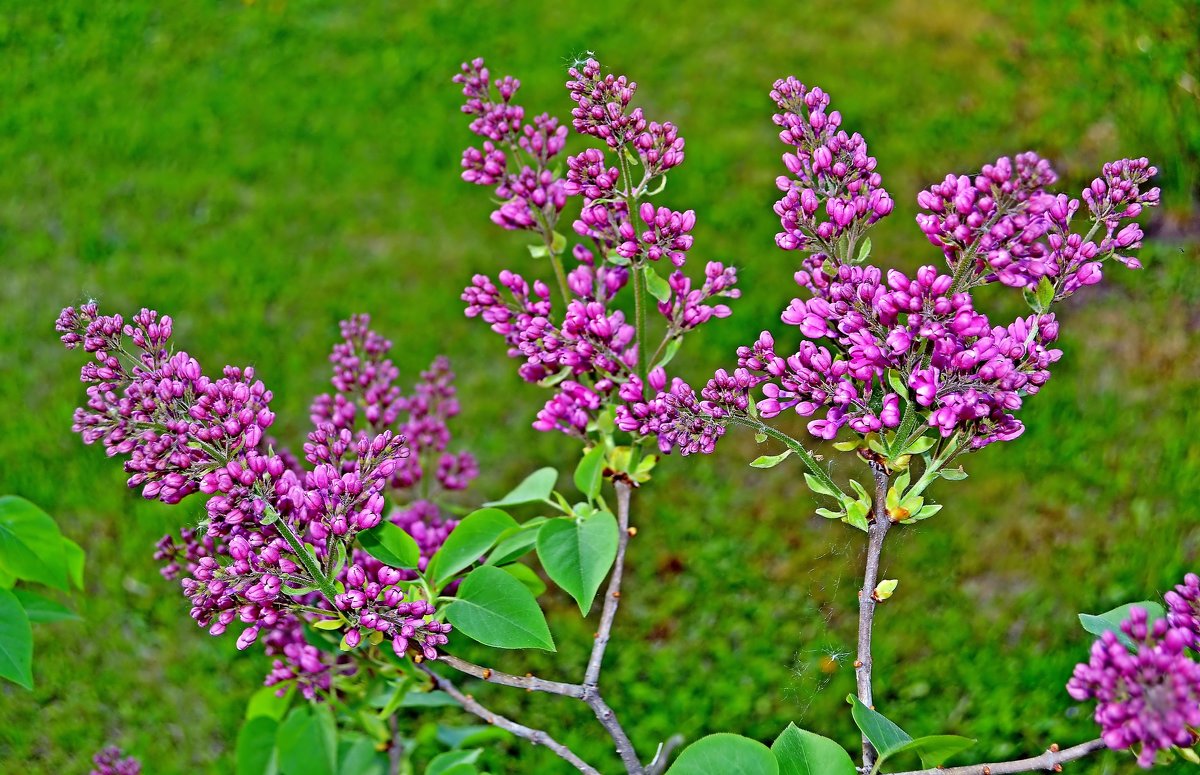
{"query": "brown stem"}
pixel 612 596
pixel 535 736
pixel 527 682
pixel 876 531
pixel 1051 760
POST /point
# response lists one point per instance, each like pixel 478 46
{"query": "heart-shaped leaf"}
pixel 589 474
pixel 495 609
pixel 31 546
pixel 800 752
pixel 535 488
pixel 883 734
pixel 577 554
pixel 16 641
pixel 391 545
pixel 469 541
pixel 725 754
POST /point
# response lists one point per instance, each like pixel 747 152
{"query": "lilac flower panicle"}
pixel 185 433
pixel 587 350
pixel 108 761
pixel 1148 697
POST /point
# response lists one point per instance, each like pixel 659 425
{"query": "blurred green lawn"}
pixel 261 171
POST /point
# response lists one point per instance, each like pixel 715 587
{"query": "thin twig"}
pixel 662 758
pixel 612 600
pixel 876 532
pixel 535 736
pixel 1051 760
pixel 527 682
pixel 612 596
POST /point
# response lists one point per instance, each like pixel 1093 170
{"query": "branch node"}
pixel 1054 748
pixel 632 531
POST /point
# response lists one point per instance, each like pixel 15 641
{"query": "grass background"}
pixel 262 170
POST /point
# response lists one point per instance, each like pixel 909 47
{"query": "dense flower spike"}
pixel 1148 697
pixel 184 433
pixel 109 762
pixel 1006 227
pixel 516 155
pixel 882 348
pixel 835 190
pixel 590 349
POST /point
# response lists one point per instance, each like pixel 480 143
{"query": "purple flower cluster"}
pixel 592 350
pixel 1148 696
pixel 1008 228
pixel 516 154
pixel 836 189
pixel 184 432
pixel 879 347
pixel 109 762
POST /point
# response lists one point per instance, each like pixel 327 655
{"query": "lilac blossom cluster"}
pixel 589 352
pixel 879 347
pixel 184 433
pixel 1147 695
pixel 1004 226
pixel 516 154
pixel 108 761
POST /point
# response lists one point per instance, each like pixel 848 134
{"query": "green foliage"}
pixel 16 641
pixel 390 545
pixel 1098 624
pixel 497 610
pixel 800 752
pixel 725 754
pixel 306 742
pixel 474 536
pixel 534 488
pixel 578 552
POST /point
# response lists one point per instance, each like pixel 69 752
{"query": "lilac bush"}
pixel 347 566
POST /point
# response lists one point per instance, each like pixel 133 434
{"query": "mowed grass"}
pixel 260 171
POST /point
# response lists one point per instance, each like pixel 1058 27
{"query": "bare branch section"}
pixel 535 736
pixel 527 682
pixel 1050 761
pixel 612 596
pixel 876 532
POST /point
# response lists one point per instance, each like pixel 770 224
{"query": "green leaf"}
pixel 883 734
pixel 922 444
pixel 770 461
pixel 75 559
pixel 725 754
pixel 896 382
pixel 495 609
pixel 902 481
pixel 445 763
pixel 538 251
pixel 469 541
pixel 515 542
pixel 831 514
pixel 43 610
pixel 655 285
pixel 818 486
pixel 669 353
pixel 558 242
pixel 847 446
pixel 16 641
pixel 577 554
pixel 589 474
pixel 434 699
pixel 934 750
pixel 359 757
pixel 925 512
pixel 953 474
pixel 800 752
pixel 1045 294
pixel 864 250
pixel 1098 624
pixel 391 545
pixel 525 575
pixel 461 737
pixel 31 546
pixel 255 752
pixel 534 488
pixel 886 588
pixel 307 742
pixel 264 702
